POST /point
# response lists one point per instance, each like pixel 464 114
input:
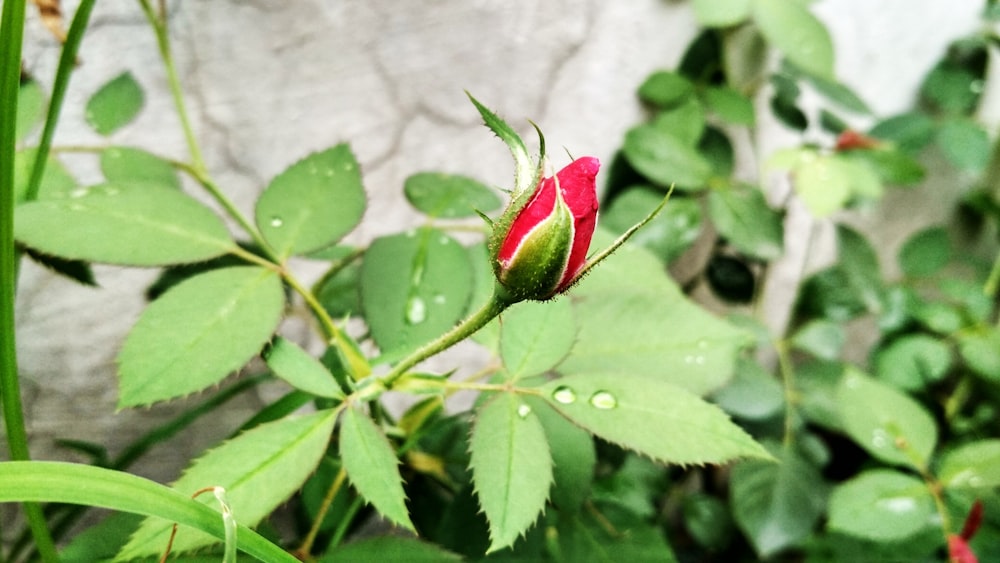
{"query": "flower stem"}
pixel 331 494
pixel 499 301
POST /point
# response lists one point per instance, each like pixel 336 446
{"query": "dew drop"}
pixel 603 400
pixel 564 395
pixel 78 193
pixel 276 222
pixel 348 167
pixel 976 86
pixel 328 172
pixel 440 299
pixel 523 410
pixel 411 233
pixel 444 240
pixel 416 310
pixel 879 438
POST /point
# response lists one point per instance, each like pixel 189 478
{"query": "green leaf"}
pixel 610 535
pixel 816 384
pixel 965 144
pixel 665 89
pixel 313 203
pixel 821 338
pixel 925 252
pixel 71 483
pixel 889 425
pixel 198 332
pixel 114 104
pixel 951 89
pixel 449 195
pixel 511 467
pixel 414 287
pixel 824 184
pixel 665 159
pixel 730 105
pixel 259 469
pixel 720 13
pixel 881 505
pixel 652 417
pixel 130 225
pixel 859 264
pixel 686 122
pixel 708 521
pixel 777 504
pixel 669 234
pixel 747 222
pixel 891 165
pixel 372 467
pixel 535 336
pixel 715 146
pixel 980 348
pixel 910 132
pixel 634 320
pixel 300 370
pixel 525 173
pixel 975 465
pixel 127 166
pixel 31 104
pixel 389 548
pixel 56 180
pixel 753 394
pixel 912 361
pixel 794 31
pixel 574 456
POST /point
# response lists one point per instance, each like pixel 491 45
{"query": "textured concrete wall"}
pixel 270 80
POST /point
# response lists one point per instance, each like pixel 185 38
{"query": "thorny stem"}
pixel 496 305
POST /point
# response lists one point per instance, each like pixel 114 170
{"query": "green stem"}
pixel 67 60
pixel 496 305
pixel 11 37
pixel 331 494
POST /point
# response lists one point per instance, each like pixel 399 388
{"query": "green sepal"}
pixel 526 174
pixel 538 265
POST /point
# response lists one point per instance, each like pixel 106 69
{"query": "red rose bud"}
pixel 959 550
pixel 545 248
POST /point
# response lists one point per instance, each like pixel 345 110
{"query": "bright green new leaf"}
pixel 449 195
pixel 888 424
pixel 511 467
pixel 634 320
pixel 372 466
pixel 313 203
pixel 980 348
pixel 975 465
pixel 912 361
pixel 414 287
pixel 665 88
pixel 389 549
pixel 71 483
pixel 525 173
pixel 30 108
pixel 824 183
pixel 777 504
pixel 821 338
pixel 126 166
pixel 298 368
pixel 129 225
pixel 669 234
pixel 747 221
pixel 259 469
pixel 652 417
pixel 665 159
pixel 720 13
pixel 794 31
pixel 535 336
pixel 114 104
pixel 881 505
pixel 925 252
pixel 198 332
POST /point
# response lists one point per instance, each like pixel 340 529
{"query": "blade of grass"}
pixel 11 36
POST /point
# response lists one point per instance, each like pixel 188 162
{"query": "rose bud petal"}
pixel 546 245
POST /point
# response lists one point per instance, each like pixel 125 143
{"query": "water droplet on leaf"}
pixel 77 193
pixel 603 400
pixel 564 395
pixel 416 310
pixel 879 438
pixel 276 222
pixel 440 299
pixel 523 410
